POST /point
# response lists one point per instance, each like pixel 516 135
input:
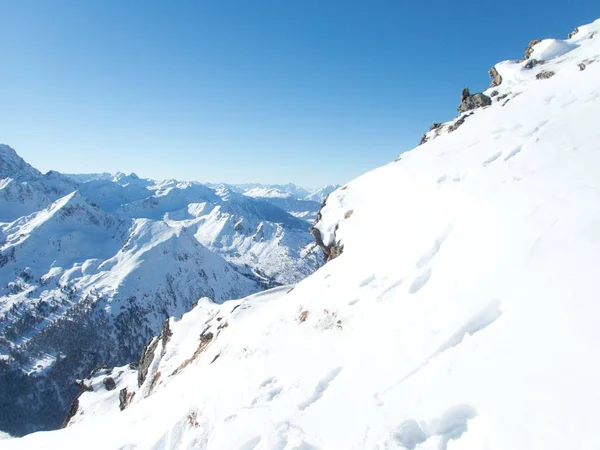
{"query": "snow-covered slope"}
pixel 80 287
pixel 462 315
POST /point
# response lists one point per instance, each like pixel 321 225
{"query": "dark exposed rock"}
pixel 330 251
pixel 437 127
pixel 148 353
pixel 146 360
pixel 205 338
pixel 84 387
pixel 494 93
pixel 496 77
pixel 573 33
pixel 72 411
pixel 529 48
pixel 333 250
pixel 165 335
pixel 581 66
pixel 545 74
pixel 465 94
pixel 531 63
pixel 125 398
pixel 458 123
pixel 474 101
pixel 109 383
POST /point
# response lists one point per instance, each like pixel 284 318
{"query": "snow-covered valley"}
pixel 458 309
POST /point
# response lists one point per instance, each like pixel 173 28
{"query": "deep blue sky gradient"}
pixel 312 92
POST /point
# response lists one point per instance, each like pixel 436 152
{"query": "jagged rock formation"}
pixel 496 77
pixel 529 49
pixel 474 101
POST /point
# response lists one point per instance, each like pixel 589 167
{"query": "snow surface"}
pixel 462 315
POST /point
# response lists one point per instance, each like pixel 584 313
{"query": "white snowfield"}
pixel 463 313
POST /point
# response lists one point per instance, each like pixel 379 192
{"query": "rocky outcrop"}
pixel 473 102
pixel 331 250
pixel 545 74
pixel 573 33
pixel 532 63
pixel 109 383
pixel 465 94
pixel 148 353
pixel 72 411
pixel 496 77
pixel 437 127
pixel 125 398
pixel 529 49
pixel 458 123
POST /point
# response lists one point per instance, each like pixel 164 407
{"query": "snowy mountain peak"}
pixel 13 166
pixel 124 179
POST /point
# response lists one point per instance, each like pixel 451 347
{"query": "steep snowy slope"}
pixel 80 287
pixel 462 313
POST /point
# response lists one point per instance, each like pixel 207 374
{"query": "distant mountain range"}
pixel 91 265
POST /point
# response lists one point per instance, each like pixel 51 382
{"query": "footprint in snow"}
pixel 435 248
pixel 420 281
pixel 492 158
pixel 513 152
pixel 367 281
pixel 268 391
pixel 322 386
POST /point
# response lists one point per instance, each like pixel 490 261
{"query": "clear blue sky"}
pixel 306 91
